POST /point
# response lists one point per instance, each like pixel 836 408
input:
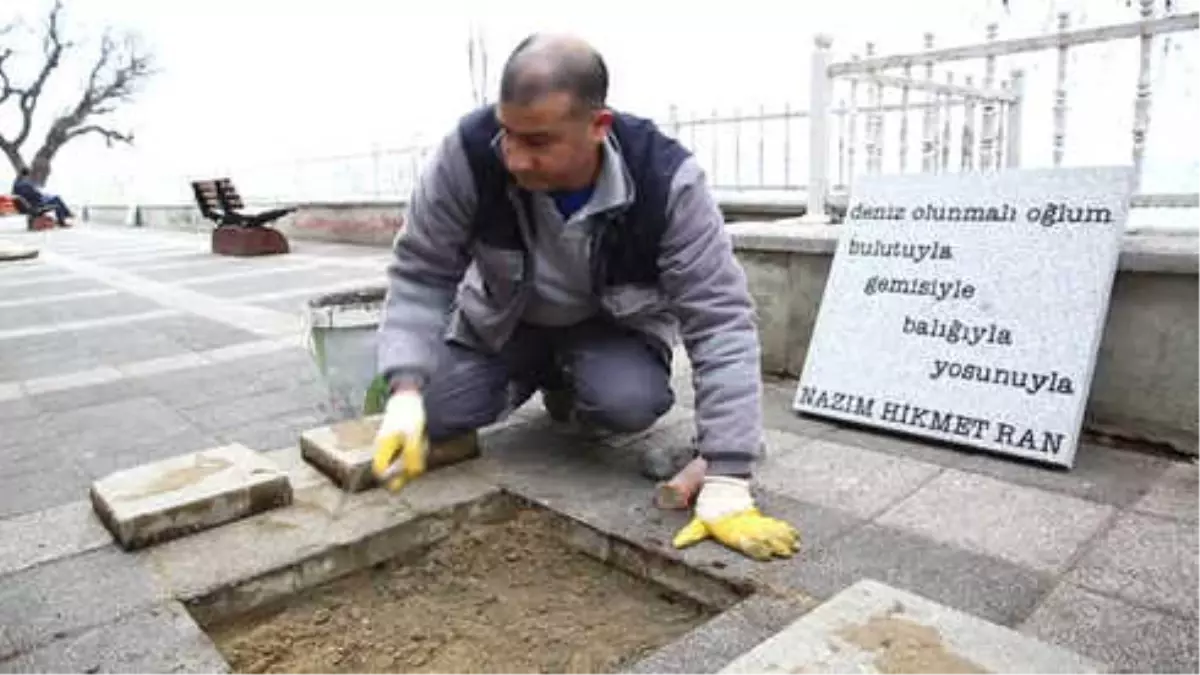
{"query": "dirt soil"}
pixel 507 597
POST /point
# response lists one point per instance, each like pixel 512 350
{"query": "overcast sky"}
pixel 248 82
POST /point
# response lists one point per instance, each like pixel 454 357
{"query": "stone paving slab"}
pixel 343 451
pixel 1146 560
pixel 1028 527
pixel 184 494
pixel 1131 639
pixel 52 600
pixel 54 533
pixel 873 628
pixel 1175 495
pixel 862 482
pixel 158 639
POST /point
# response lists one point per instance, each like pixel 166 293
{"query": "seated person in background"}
pixel 26 189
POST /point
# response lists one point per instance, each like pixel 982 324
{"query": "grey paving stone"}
pixel 56 598
pixel 1101 474
pixel 99 307
pixel 46 482
pixel 16 409
pixel 275 432
pixel 1130 639
pixel 984 586
pixel 838 476
pixel 1041 530
pixel 878 440
pixel 872 627
pixel 1173 496
pixel 234 412
pixel 188 493
pixel 56 285
pixel 158 639
pixel 261 283
pixel 51 534
pixel 65 400
pixel 96 462
pixel 195 333
pixel 778 414
pixel 1146 560
pixel 122 422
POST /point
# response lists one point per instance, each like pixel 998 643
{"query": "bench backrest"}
pixel 207 198
pixel 228 195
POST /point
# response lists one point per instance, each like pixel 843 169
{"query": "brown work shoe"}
pixel 453 450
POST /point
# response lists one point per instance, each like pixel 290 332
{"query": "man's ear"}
pixel 601 123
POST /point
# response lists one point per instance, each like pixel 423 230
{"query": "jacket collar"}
pixel 614 190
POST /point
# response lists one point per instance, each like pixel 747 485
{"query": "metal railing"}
pixel 998 110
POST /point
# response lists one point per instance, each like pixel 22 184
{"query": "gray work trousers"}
pixel 618 379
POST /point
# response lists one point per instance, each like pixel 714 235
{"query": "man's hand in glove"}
pixel 400 445
pixel 726 512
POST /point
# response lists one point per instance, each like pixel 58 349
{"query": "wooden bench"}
pixel 238 233
pixel 220 202
pixel 41 218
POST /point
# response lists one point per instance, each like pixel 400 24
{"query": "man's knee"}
pixel 624 406
pixel 468 391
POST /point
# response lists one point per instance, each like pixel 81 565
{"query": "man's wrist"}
pixel 404 383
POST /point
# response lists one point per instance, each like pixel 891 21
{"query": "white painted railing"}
pixel 999 107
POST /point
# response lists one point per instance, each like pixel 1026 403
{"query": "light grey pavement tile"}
pixel 80 378
pixel 1041 530
pixel 58 597
pixel 16 407
pixel 85 325
pixel 1146 560
pixel 97 461
pixel 234 287
pixel 778 413
pixel 274 432
pixel 243 410
pixel 158 639
pixel 8 303
pixel 43 483
pixel 984 586
pixel 166 364
pixel 1130 639
pixel 837 476
pixel 54 533
pixel 49 287
pixel 1101 474
pixel 84 395
pixel 1174 495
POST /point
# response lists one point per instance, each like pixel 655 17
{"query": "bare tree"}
pixel 116 74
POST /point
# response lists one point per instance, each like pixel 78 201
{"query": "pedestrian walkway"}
pixel 123 346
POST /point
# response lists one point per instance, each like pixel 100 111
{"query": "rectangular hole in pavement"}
pixel 503 585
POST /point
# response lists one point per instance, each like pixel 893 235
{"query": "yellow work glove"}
pixel 726 512
pixel 400 444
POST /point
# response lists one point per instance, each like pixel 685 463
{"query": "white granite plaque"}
pixel 969 307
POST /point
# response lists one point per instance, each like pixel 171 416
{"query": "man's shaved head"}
pixel 547 64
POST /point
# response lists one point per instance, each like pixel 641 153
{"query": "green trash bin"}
pixel 342 330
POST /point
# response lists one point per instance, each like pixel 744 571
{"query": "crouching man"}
pixel 554 244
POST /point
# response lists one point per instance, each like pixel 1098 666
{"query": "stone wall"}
pixel 364 223
pixel 368 224
pixel 1145 385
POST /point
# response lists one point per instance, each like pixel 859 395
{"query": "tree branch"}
pixel 53 47
pixel 110 135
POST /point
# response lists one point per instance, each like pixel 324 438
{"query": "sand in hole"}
pixel 506 597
